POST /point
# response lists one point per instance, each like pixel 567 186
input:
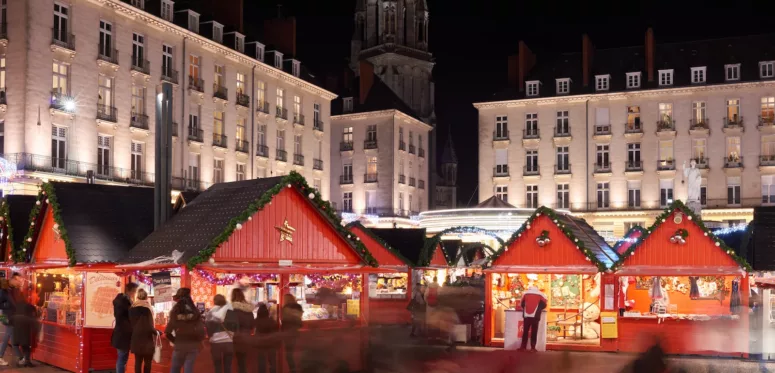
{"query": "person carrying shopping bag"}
pixel 144 333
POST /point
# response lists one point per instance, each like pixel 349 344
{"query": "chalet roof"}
pixel 494 202
pixel 19 208
pixel 591 239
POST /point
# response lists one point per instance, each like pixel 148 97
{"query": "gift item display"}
pixel 59 294
pixel 327 297
pixel 388 285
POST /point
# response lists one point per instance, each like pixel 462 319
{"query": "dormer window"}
pixel 531 88
pixel 633 80
pixel 217 32
pixel 732 72
pixel 138 4
pixel 239 43
pixel 278 60
pixel 260 52
pixel 665 77
pixel 296 68
pixel 602 82
pixel 698 75
pixel 563 86
pixel 347 104
pixel 167 8
pixel 193 22
pixel 767 69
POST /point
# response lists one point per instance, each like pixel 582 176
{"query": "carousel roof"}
pixel 19 208
pixel 494 202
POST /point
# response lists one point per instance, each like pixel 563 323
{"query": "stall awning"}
pixel 543 269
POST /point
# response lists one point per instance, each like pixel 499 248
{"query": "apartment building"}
pixel 606 133
pixel 382 156
pixel 79 80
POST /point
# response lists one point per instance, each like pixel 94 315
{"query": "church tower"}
pixel 392 35
pixel 446 187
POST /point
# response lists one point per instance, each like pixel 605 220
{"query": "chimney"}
pixel 587 54
pixel 650 54
pixel 526 62
pixel 367 80
pixel 281 33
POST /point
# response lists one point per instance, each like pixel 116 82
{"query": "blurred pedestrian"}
pixel 431 297
pixel 25 331
pixel 266 330
pixel 221 326
pixel 185 331
pixel 243 312
pixel 122 330
pixel 9 297
pixel 417 308
pixel 291 323
pixel 533 304
pixel 143 340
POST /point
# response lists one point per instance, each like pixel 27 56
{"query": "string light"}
pixel 231 278
pixel 729 230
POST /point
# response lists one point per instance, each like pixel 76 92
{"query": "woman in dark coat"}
pixel 266 330
pixel 186 330
pixel 142 343
pixel 244 316
pixel 25 330
pixel 291 323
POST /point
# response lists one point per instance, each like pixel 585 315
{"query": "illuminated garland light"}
pixel 337 281
pixel 231 278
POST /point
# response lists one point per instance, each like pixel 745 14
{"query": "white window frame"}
pixel 278 60
pixel 669 191
pixel 501 127
pixel 167 10
pixel 194 67
pixel 239 41
pixel 105 91
pixel 219 126
pixel 531 196
pixel 106 39
pixel 138 100
pixel 602 82
pixel 218 170
pixel 633 193
pixel 193 22
pixel 766 69
pixel 261 92
pixel 563 196
pixel 138 49
pixel 194 169
pixel 260 50
pixel 296 105
pixel 59 137
pixel 104 151
pixel 732 72
pixel 563 122
pixel 217 32
pixel 347 104
pixel 167 61
pixel 665 77
pixel 240 83
pixel 240 171
pixel 699 75
pixel 136 165
pixel 62 12
pixel 347 201
pixel 603 195
pixel 735 188
pixel 563 86
pixel 563 158
pixel 531 161
pixel 280 139
pixel 219 75
pixel 280 98
pixel 296 68
pixel 316 114
pixel 633 80
pixel 768 189
pixel 532 88
pixel 60 77
pixel 502 192
pixel 2 74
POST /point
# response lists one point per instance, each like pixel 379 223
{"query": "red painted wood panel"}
pixel 59 347
pixel 315 241
pixel 699 251
pixel 559 252
pixel 389 312
pixel 684 337
pixel 438 260
pixel 103 356
pixel 48 246
pixel 383 255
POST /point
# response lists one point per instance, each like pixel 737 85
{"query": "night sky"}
pixel 471 40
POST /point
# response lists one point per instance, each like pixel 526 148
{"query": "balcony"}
pixel 318 126
pixel 531 133
pixel 665 126
pixel 107 113
pixel 562 131
pixel 603 168
pixel 220 92
pixel 412 181
pixel 602 130
pixel 281 113
pixel 62 102
pixel 242 146
pixel 501 170
pixel 345 179
pixel 107 54
pixel 346 146
pixel 220 140
pixel 421 184
pixel 402 179
pixel 733 124
pixel 370 178
pixel 666 165
pixel 139 121
pixel 196 84
pixel 699 126
pixel 298 119
pixel 767 123
pixel 63 166
pixel 195 134
pixel 733 161
pixel 180 183
pixel 766 160
pixel 262 107
pixel 298 160
pixel 401 145
pixel 562 169
pixel 262 151
pixel 169 75
pixel 317 164
pixel 412 149
pixel 702 163
pixel 633 166
pixel 281 155
pixel 502 135
pixel 243 99
pixel 63 39
pixel 531 171
pixel 421 153
pixel 370 144
pixel 141 65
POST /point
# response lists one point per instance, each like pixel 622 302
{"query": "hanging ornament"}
pixel 46 200
pixel 250 218
pixel 679 236
pixel 239 226
pixel 37 203
pixel 311 196
pixel 543 239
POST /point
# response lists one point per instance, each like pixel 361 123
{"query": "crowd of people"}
pixel 20 319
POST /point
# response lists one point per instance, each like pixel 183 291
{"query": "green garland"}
pixel 662 218
pixel 551 214
pixel 682 232
pixel 5 212
pixel 368 232
pixel 430 244
pixel 46 197
pixel 293 179
pixel 544 234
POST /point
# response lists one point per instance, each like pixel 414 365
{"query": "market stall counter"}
pixel 269 238
pixel 680 283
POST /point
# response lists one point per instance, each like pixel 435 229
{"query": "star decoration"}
pixel 286 231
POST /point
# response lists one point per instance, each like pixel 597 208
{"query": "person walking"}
pixel 9 296
pixel 533 304
pixel 417 308
pixel 185 331
pixel 291 323
pixel 144 332
pixel 122 330
pixel 25 331
pixel 221 326
pixel 243 312
pixel 266 329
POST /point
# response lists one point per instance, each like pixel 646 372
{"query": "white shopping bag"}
pixel 157 350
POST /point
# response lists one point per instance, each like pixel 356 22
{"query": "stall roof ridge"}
pixel 390 250
pixel 494 202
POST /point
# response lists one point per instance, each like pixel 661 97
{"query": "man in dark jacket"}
pixel 122 331
pixel 9 297
pixel 185 330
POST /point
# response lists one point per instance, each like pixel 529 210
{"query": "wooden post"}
pixel 185 277
pixel 488 311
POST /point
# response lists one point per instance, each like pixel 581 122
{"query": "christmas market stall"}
pixel 14 224
pixel 683 284
pixel 77 231
pixel 390 286
pixel 564 258
pixel 269 237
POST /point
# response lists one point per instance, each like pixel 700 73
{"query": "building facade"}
pixel 608 137
pixel 80 80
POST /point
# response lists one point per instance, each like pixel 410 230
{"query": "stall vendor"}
pixel 533 304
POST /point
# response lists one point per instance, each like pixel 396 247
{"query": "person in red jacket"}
pixel 533 304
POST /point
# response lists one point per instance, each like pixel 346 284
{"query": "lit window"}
pixel 532 88
pixel 665 192
pixel 665 77
pixel 563 86
pixel 767 69
pixel 732 72
pixel 602 82
pixel 698 75
pixel 633 80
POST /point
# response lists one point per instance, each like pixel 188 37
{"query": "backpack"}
pixel 433 296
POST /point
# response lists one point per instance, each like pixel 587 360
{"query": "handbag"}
pixel 157 349
pixel 229 332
